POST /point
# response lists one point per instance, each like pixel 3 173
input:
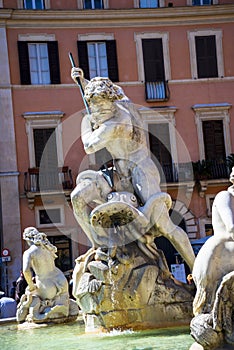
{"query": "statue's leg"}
pixel 91 187
pixel 176 235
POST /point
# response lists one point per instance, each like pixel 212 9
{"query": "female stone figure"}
pixel 213 274
pixel 46 297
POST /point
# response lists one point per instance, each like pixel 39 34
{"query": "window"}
pixel 98 58
pixel 45 148
pixel 49 216
pixel 202 2
pixel 64 252
pixel 160 147
pixel 148 3
pixel 206 54
pixel 39 62
pixel 34 4
pixel 45 171
pixel 214 136
pixel 153 64
pixel 161 140
pixel 214 139
pixel 93 4
pixel 44 131
pixel 154 69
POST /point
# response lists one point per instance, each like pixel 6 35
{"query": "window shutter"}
pixel 83 58
pixel 153 60
pixel 24 63
pixel 214 140
pixel 206 56
pixel 160 145
pixel 54 62
pixel 113 73
pixel 45 141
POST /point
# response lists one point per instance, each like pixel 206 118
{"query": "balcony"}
pixel 157 91
pixel 38 182
pixel 210 169
pixel 202 173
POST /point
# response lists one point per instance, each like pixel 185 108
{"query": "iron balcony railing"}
pixel 157 91
pixel 207 170
pixel 39 180
pixel 219 169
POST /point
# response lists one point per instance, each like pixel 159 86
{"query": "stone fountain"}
pixel 123 281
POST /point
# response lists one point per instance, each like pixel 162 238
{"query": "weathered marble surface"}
pixel 124 280
pixel 46 298
pixel 213 274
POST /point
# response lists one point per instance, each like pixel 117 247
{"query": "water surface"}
pixel 72 337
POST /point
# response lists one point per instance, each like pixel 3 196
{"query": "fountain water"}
pixel 72 336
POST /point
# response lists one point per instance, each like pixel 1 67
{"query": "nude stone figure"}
pixel 215 258
pixel 213 274
pixel 114 123
pixel 46 296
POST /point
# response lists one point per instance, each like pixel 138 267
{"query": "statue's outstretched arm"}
pixel 99 138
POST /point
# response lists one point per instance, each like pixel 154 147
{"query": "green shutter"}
pixel 214 140
pixel 153 60
pixel 112 63
pixel 83 58
pixel 24 63
pixel 54 62
pixel 206 56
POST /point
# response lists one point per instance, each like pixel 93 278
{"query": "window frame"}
pixel 34 5
pixel 97 58
pixel 93 5
pixel 20 5
pixel 164 115
pixel 112 64
pixel 56 224
pixel 43 120
pixel 39 72
pixel 190 3
pixel 212 112
pixel 161 3
pixel 53 51
pixel 219 51
pixel 80 5
pixel 139 51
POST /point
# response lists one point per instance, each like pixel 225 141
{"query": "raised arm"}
pixel 77 72
pixel 97 139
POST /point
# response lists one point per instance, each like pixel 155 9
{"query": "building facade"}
pixel 174 59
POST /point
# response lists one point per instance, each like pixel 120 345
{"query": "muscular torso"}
pixel 223 214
